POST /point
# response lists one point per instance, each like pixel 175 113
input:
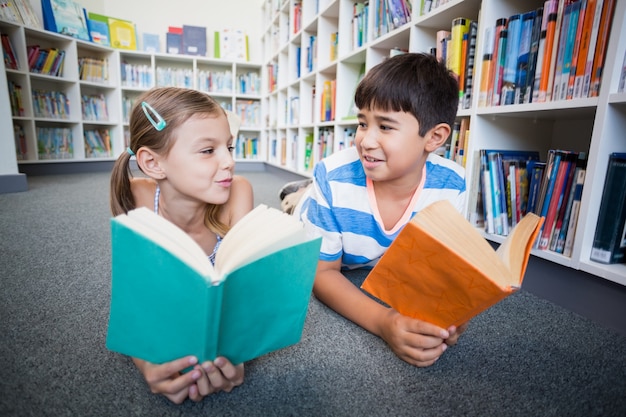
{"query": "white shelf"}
pixel 592 125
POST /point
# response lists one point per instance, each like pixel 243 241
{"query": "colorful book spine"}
pixel 460 27
pixel 601 45
pixel 499 70
pixel 486 64
pixel 568 50
pixel 541 79
pixel 595 28
pixel 537 33
pixel 494 69
pixel 569 93
pixel 557 68
pixel 514 36
pixel 593 8
pixel 523 56
pixel 470 63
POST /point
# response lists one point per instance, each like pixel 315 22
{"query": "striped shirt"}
pixel 341 206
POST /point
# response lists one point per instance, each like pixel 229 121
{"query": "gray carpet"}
pixel 523 357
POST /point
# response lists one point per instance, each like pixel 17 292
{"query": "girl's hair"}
pixel 415 83
pixel 175 106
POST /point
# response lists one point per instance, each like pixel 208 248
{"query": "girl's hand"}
pixel 168 380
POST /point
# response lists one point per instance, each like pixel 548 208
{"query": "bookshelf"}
pixel 592 125
pixel 97 86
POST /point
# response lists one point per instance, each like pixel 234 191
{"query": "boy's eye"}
pixel 384 127
pixel 209 150
pixel 361 124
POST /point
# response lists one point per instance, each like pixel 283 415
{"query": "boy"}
pixel 361 197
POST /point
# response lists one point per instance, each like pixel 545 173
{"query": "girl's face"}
pixel 200 164
pixel 390 146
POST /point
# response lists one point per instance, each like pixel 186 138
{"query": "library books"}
pixel 168 301
pixel 441 270
pixel 194 40
pixel 66 17
pixel 567 52
pixel 609 242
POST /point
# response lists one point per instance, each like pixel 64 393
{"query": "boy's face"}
pixel 390 146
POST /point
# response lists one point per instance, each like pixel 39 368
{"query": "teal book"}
pixel 169 301
pixel 66 17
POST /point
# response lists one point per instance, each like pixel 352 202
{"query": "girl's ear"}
pixel 148 162
pixel 437 137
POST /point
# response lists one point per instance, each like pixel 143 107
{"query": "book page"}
pixel 515 249
pixel 169 236
pixel 263 231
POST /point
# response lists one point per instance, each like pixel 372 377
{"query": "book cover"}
pixel 570 234
pixel 151 43
pixel 231 44
pixel 174 41
pixel 486 64
pixel 557 68
pixel 569 93
pixel 441 270
pixel 460 27
pixel 495 73
pixel 168 302
pixel 609 241
pixel 99 31
pixel 66 17
pixel 574 193
pixel 194 40
pixel 499 67
pixel 568 51
pixel 123 34
pixel 538 34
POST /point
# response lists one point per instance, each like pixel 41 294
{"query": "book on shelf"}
pixel 569 24
pixel 150 42
pixel 8 52
pixel 441 270
pixel 609 241
pixel 123 34
pixel 514 39
pixel 10 12
pixel 194 40
pixel 555 194
pixel 487 62
pixel 454 58
pixel 231 44
pixel 66 17
pixel 523 56
pixel 573 195
pixel 470 62
pixel 569 92
pixel 27 13
pixel 442 39
pixel 558 34
pixel 99 28
pixel 593 10
pixel 506 187
pixel 540 93
pixel 593 40
pixel 601 45
pixel 174 40
pixel 168 301
pixel 500 62
pixel 622 76
pixel 538 30
pixel 535 171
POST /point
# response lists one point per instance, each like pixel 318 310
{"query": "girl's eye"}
pixel 231 149
pixel 209 151
pixel 383 127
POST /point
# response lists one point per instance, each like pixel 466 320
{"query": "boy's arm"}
pixel 416 342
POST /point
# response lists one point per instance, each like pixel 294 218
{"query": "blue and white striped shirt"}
pixel 341 206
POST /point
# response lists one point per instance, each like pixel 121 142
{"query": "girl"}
pixel 183 144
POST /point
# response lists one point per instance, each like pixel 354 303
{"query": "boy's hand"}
pixel 167 379
pixel 416 342
pixel 455 333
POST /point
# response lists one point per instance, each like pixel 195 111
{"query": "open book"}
pixel 440 269
pixel 168 301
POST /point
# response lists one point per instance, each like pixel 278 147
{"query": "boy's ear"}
pixel 437 137
pixel 148 162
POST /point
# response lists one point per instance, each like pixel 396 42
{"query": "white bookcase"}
pixel 593 125
pixel 242 95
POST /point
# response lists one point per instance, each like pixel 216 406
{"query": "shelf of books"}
pixel 70 98
pixel 541 102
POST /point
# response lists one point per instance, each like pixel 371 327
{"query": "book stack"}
pixel 554 52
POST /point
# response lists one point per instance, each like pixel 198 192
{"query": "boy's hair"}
pixel 415 83
pixel 175 106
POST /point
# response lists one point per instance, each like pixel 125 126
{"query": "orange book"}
pixel 585 36
pixel 547 57
pixel 441 270
pixel 499 27
pixel 601 45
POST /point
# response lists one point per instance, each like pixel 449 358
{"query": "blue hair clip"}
pixel 159 124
